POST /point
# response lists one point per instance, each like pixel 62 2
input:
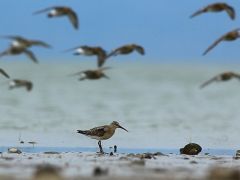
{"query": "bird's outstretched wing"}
pixel 215 43
pixel 44 10
pixel 200 11
pixel 30 55
pixel 139 49
pixel 231 12
pixel 73 18
pixel 4 73
pixel 40 43
pixel 208 82
pixel 18 38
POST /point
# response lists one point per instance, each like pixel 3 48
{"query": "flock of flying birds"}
pixel 21 45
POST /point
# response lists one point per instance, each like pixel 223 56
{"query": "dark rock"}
pixel 111 154
pixel 191 149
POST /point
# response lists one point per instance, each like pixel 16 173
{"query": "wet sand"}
pixel 77 165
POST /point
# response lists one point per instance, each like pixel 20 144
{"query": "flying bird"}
pixel 91 51
pixel 216 7
pixel 127 49
pixel 230 36
pixel 16 83
pixel 59 11
pixel 4 73
pixel 22 42
pixel 102 132
pixel 225 76
pixel 92 74
pixel 13 50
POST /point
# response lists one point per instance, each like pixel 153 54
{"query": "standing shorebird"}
pixel 21 42
pixel 225 76
pixel 13 50
pixel 102 132
pixel 15 83
pixel 229 36
pixel 91 51
pixel 127 49
pixel 59 11
pixel 216 7
pixel 92 74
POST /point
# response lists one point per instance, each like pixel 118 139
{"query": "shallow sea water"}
pixel 160 104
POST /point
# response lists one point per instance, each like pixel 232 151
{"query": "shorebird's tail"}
pixel 81 132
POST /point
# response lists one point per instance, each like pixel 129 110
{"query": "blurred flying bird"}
pixel 16 83
pixel 127 49
pixel 230 36
pixel 22 42
pixel 216 7
pixel 13 50
pixel 92 74
pixel 91 51
pixel 4 73
pixel 102 132
pixel 59 11
pixel 225 76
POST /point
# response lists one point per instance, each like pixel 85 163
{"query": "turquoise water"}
pixel 161 105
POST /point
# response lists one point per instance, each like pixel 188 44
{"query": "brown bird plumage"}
pixel 216 7
pixel 59 11
pixel 92 74
pixel 127 49
pixel 91 51
pixel 22 42
pixel 16 83
pixel 225 76
pixel 13 50
pixel 102 132
pixel 230 36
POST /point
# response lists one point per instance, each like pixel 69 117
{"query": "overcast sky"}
pixel 163 27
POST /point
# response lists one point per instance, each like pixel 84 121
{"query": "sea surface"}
pixel 160 104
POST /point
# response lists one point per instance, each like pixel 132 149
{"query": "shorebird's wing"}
pixel 44 10
pixel 73 18
pixel 214 44
pixel 101 58
pixel 209 81
pixel 18 38
pixel 200 11
pixel 98 131
pixel 40 43
pixel 71 49
pixel 140 49
pixel 30 55
pixel 231 12
pixel 113 53
pixel 4 73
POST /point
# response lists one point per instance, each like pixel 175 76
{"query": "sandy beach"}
pixel 88 165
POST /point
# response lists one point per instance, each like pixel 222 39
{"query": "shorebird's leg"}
pixel 100 147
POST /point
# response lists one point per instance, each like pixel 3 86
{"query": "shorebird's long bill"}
pixel 122 128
